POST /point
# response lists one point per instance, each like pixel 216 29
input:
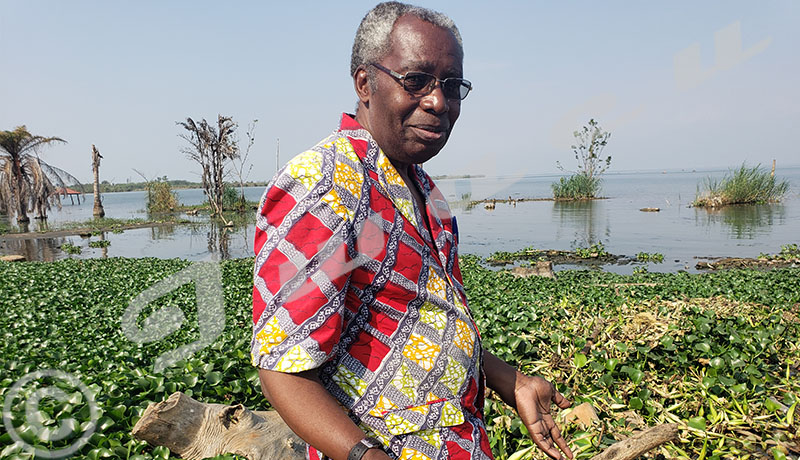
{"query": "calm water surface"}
pixel 677 231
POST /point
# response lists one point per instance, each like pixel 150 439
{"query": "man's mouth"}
pixel 430 132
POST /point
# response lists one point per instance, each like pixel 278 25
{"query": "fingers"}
pixel 560 400
pixel 562 443
pixel 544 438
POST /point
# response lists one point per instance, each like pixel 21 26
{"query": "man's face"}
pixel 412 129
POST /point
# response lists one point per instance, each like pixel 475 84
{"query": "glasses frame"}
pixel 401 78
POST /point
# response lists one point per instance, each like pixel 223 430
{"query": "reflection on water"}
pixel 586 220
pixel 219 239
pixel 161 232
pixel 43 249
pixel 744 221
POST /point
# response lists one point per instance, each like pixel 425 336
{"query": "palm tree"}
pixel 25 180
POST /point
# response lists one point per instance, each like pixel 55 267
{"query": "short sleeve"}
pixel 302 267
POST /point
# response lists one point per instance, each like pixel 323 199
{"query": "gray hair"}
pixel 372 40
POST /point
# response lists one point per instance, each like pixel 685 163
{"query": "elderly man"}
pixel 363 337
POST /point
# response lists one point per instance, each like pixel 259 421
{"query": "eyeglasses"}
pixel 422 84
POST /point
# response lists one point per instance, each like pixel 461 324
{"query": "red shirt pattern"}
pixel 348 281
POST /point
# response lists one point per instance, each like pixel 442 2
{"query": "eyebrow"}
pixel 429 66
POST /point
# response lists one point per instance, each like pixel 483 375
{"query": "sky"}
pixel 688 85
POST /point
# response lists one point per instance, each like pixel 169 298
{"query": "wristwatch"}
pixel 362 447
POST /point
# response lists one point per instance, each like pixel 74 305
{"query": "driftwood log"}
pixel 194 430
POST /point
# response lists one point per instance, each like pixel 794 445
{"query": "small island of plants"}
pixel 745 185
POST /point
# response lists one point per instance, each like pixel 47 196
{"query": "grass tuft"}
pixel 576 187
pixel 741 186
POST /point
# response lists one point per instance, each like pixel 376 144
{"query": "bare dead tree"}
pixel 212 147
pixel 239 168
pixel 98 210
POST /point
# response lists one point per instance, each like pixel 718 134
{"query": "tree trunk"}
pixel 22 205
pixel 641 442
pixel 98 210
pixel 194 430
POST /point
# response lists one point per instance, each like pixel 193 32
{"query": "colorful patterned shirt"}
pixel 349 281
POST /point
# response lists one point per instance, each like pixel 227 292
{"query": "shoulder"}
pixel 329 175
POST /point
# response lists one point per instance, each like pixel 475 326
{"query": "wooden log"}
pixel 641 442
pixel 194 430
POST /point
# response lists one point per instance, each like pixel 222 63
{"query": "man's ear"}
pixel 362 85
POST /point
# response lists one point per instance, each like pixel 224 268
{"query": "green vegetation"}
pixel 590 141
pixel 161 198
pixel 656 257
pixel 233 200
pixel 99 244
pixel 788 252
pixel 741 186
pixel 576 187
pixel 509 257
pixel 592 252
pixel 716 352
pixel 70 248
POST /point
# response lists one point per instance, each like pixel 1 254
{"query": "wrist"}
pixel 362 449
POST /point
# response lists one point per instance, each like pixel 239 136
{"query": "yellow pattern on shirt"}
pixel 412 454
pixel 270 335
pixel 465 339
pixel 421 351
pixel 349 382
pixel 306 168
pixel 296 359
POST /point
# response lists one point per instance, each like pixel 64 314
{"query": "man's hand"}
pixel 534 397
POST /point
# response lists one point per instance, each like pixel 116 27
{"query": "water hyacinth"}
pixel 716 353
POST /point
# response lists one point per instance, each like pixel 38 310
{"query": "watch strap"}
pixel 361 448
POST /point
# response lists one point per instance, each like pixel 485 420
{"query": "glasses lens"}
pixel 417 81
pixel 454 88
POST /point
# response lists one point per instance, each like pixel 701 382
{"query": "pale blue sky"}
pixel 120 74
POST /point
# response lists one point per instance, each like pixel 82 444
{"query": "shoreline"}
pixel 78 231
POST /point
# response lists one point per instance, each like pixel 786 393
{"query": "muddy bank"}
pixel 559 257
pixel 722 263
pixel 84 232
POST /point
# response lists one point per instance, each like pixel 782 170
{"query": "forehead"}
pixel 420 45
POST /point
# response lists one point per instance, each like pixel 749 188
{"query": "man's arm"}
pixel 532 398
pixel 311 412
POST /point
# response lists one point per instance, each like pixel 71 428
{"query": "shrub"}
pixel 741 186
pixel 590 141
pixel 592 252
pixel 233 200
pixel 576 187
pixel 160 197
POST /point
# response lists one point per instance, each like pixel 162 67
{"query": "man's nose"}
pixel 435 101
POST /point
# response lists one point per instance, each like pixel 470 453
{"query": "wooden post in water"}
pixel 772 174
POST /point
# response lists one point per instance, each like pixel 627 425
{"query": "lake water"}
pixel 677 231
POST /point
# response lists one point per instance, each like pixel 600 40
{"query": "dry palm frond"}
pixel 27 182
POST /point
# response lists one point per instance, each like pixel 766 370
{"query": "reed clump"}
pixel 745 185
pixel 576 187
